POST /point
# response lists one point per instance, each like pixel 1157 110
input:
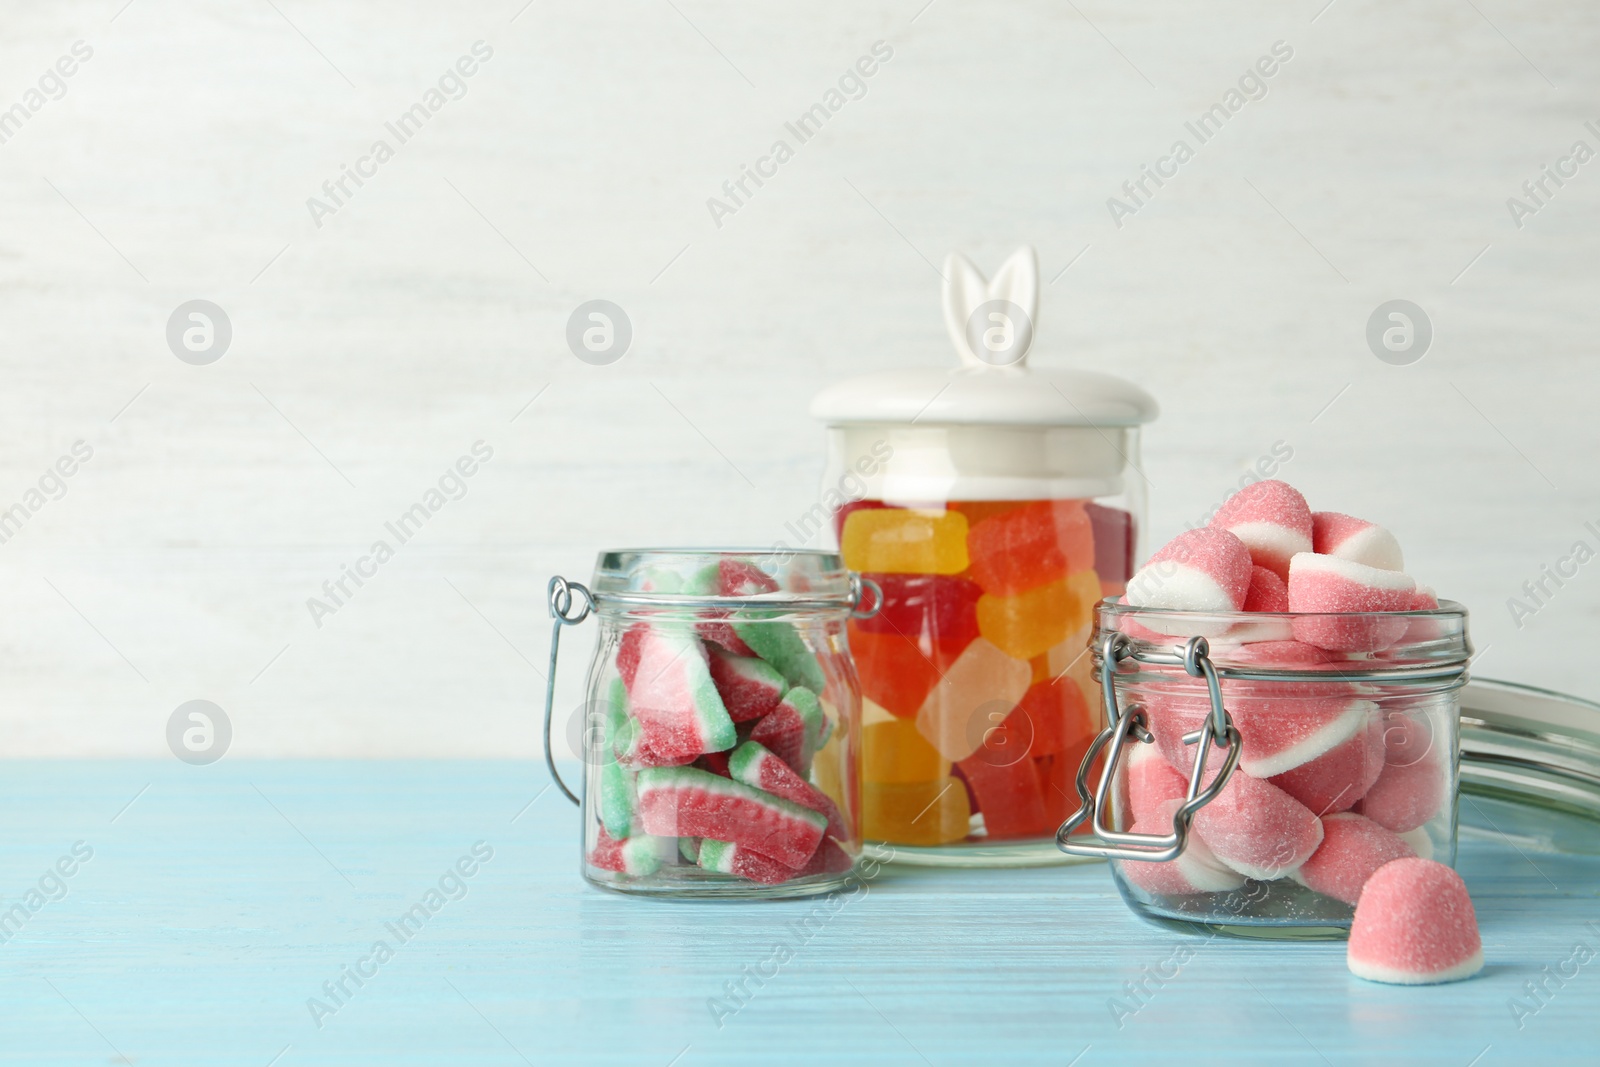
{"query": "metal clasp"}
pixel 1131 721
pixel 562 603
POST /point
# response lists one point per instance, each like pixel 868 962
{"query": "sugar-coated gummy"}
pixel 688 801
pixel 1414 925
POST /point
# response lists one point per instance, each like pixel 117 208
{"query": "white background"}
pixel 429 311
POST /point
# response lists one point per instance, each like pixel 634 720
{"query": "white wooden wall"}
pixel 369 353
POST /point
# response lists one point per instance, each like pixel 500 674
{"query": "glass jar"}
pixel 994 504
pixel 722 722
pixel 1251 782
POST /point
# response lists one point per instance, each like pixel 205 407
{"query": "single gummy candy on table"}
pixel 1414 925
pixel 904 541
pixel 1031 546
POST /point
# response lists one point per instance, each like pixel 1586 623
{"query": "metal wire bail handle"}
pixel 1217 729
pixel 561 610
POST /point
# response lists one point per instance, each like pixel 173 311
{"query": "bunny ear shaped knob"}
pixel 991 323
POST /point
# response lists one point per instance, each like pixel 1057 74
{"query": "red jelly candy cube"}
pixel 1009 794
pixel 1058 716
pixel 944 608
pixel 897 672
pixel 1031 546
pixel 1114 535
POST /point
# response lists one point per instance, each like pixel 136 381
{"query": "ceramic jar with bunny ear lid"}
pixel 993 503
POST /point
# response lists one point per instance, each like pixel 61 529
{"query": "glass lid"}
pixel 1530 766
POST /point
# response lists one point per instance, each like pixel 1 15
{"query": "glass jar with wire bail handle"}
pixel 721 724
pixel 1249 783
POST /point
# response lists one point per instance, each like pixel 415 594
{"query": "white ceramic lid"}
pixel 991 324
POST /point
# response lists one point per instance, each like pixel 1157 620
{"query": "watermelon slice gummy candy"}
pixel 636 856
pixel 755 766
pixel 781 645
pixel 725 857
pixel 793 729
pixel 687 801
pixel 749 687
pixel 674 701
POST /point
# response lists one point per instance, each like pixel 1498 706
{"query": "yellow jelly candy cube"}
pixel 916 813
pixel 903 541
pixel 894 751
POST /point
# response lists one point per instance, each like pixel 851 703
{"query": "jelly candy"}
pixel 902 541
pixel 793 729
pixel 1196 870
pixel 753 765
pixel 750 687
pixel 1414 925
pixel 1031 623
pixel 953 716
pixel 1051 715
pixel 1114 537
pixel 914 604
pixel 843 513
pixel 978 510
pixel 1353 848
pixel 1031 546
pixel 1338 778
pixel 1256 828
pixel 1328 584
pixel 725 857
pixel 635 856
pixel 896 752
pixel 781 645
pixel 916 813
pixel 1406 795
pixel 687 801
pixel 1272 520
pixel 673 700
pixel 1008 793
pixel 897 670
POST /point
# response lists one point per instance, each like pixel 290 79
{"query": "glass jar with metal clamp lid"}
pixel 721 725
pixel 1251 783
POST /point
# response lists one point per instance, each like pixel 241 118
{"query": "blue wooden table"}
pixel 167 914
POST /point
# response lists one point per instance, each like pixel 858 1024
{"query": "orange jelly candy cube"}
pixel 1032 546
pixel 905 541
pixel 897 670
pixel 1032 623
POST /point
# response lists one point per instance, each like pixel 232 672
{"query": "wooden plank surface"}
pixel 218 900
